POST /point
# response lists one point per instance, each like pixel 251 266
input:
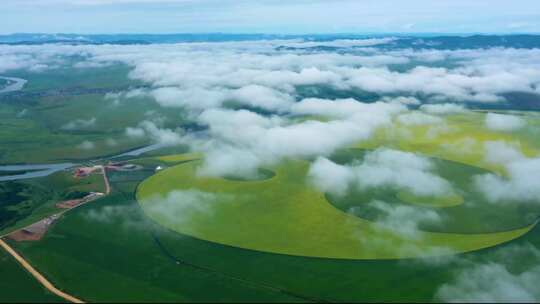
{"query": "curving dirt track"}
pixel 38 275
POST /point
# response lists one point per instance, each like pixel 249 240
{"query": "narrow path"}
pixel 41 279
pixel 105 179
pixel 38 275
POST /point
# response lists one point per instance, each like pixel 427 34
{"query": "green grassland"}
pixel 113 76
pixel 284 215
pixel 43 127
pixel 118 251
pixel 126 257
pixel 25 202
pixel 460 138
pixel 19 286
pixel 465 211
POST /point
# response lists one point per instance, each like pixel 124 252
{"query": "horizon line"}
pixel 389 33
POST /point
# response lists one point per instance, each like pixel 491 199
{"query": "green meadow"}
pixel 284 215
pixel 274 239
pixel 25 202
pixel 39 124
pixel 19 286
pixel 124 256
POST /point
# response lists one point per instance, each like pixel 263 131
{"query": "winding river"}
pixel 36 170
pixel 42 170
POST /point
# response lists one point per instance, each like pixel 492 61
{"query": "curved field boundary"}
pixel 287 218
pixel 41 279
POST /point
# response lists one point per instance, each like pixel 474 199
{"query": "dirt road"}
pixel 38 275
pixel 42 280
pixel 106 179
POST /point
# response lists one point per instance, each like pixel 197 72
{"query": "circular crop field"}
pixel 281 213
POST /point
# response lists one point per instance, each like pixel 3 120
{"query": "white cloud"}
pixel 330 177
pixel 262 97
pixel 346 108
pixel 447 108
pixel 79 124
pixel 492 283
pixel 405 220
pixel 522 184
pixel 381 168
pixel 418 118
pixel 86 145
pixel 269 139
pixel 135 132
pixel 341 43
pixel 166 137
pixel 181 206
pixel 501 152
pixel 502 122
pixel 217 68
pixel 499 277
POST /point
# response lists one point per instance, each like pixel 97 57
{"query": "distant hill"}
pixel 403 41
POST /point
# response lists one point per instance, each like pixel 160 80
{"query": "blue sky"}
pixel 269 16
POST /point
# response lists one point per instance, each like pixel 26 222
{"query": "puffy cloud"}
pixel 86 145
pixel 381 168
pixel 79 124
pixel 135 132
pixel 194 98
pixel 501 122
pixel 402 170
pixel 494 280
pixel 492 283
pixel 475 75
pixel 230 161
pixel 262 97
pixel 345 108
pixel 269 139
pixel 418 118
pixel 447 108
pixel 182 205
pixel 501 152
pixel 166 137
pixel 343 43
pixel 522 184
pixel 330 177
pixel 128 217
pixel 405 220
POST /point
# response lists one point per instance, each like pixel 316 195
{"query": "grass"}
pixel 121 261
pixel 118 251
pixel 35 199
pixel 283 215
pixel 465 210
pixel 44 129
pixel 461 139
pixel 18 286
pixel 446 201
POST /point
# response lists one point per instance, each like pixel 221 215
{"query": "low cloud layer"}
pixel 501 122
pixel 522 185
pixel 183 205
pixel 381 168
pixel 496 279
pixel 166 137
pixel 405 220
